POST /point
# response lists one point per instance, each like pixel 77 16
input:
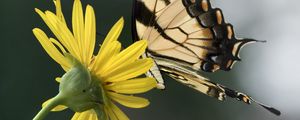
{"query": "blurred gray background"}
pixel 269 71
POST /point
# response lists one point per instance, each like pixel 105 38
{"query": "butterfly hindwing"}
pixel 191 78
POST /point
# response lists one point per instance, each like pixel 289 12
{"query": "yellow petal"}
pixel 75 116
pixel 65 68
pixel 78 27
pixel 58 79
pixel 129 101
pixel 113 35
pixel 65 33
pixel 93 117
pixel 129 71
pixel 128 55
pixel 133 86
pixel 102 59
pixel 86 115
pixel 115 113
pixel 61 31
pixel 54 28
pixel 58 45
pixel 90 33
pixel 49 47
pixel 57 108
pixel 59 13
pixel 124 67
pixel 110 113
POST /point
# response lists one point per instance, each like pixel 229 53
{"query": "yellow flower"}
pixel 116 72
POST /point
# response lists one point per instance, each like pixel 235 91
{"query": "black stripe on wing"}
pixel 147 18
pixel 225 42
pixel 142 14
pixel 167 2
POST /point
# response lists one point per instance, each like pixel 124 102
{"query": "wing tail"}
pixel 193 79
pixel 247 99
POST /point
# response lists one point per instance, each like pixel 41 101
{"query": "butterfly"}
pixel 185 38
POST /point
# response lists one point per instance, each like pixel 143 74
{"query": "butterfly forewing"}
pixel 187 30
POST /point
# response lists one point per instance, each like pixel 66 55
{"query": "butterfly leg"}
pixel 155 73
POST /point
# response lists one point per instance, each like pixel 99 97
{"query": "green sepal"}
pixel 79 90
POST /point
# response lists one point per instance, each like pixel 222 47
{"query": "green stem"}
pixel 46 109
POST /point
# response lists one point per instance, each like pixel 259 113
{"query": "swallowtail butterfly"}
pixel 186 37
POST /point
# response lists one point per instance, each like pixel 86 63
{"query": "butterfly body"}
pixel 185 38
